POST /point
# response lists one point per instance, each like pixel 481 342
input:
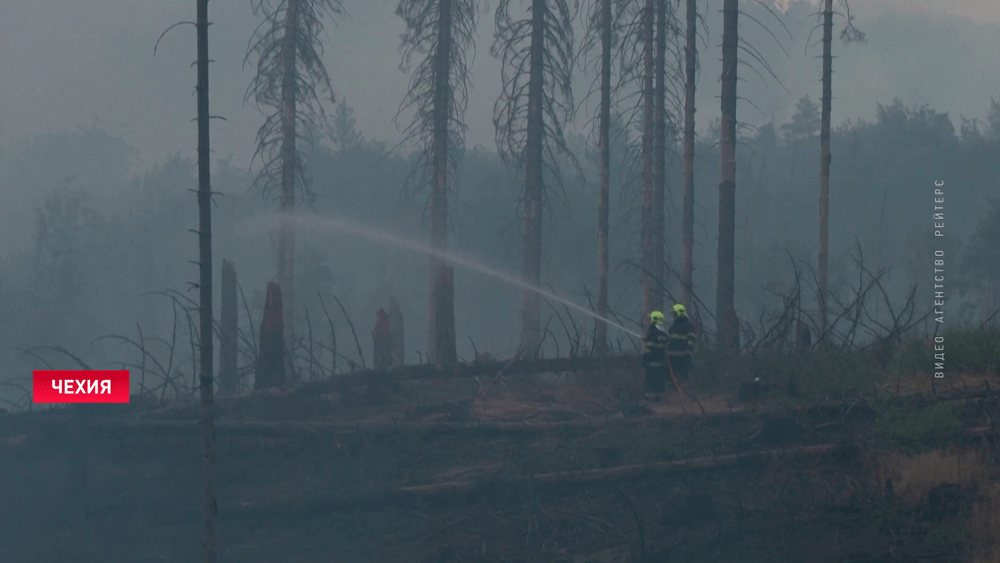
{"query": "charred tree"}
pixel 271 363
pixel 444 295
pixel 824 174
pixel 382 340
pixel 849 34
pixel 289 72
pixel 660 117
pixel 690 70
pixel 728 330
pixel 537 99
pixel 604 206
pixel 396 324
pixel 441 31
pixel 649 289
pixel 803 336
pixel 206 328
pixel 603 37
pixel 228 331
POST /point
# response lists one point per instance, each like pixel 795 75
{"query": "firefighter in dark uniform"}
pixel 655 357
pixel 682 340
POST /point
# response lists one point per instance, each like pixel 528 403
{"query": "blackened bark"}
pixel 228 331
pixel 444 290
pixel 206 332
pixel 441 317
pixel 690 67
pixel 382 340
pixel 396 324
pixel 603 206
pixel 725 285
pixel 271 351
pixel 648 286
pixel 660 154
pixel 824 189
pixel 289 168
pixel 531 336
pixel 803 336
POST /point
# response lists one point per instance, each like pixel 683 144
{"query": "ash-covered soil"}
pixel 560 470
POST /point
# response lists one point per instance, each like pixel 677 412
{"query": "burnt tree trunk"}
pixel 803 336
pixel 205 331
pixel 228 331
pixel 444 291
pixel 289 170
pixel 271 352
pixel 441 329
pixel 690 68
pixel 660 154
pixel 531 334
pixel 396 324
pixel 726 282
pixel 382 340
pixel 603 206
pixel 824 175
pixel 648 285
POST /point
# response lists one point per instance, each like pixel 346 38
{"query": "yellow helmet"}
pixel 657 317
pixel 680 310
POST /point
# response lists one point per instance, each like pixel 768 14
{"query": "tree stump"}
pixel 271 353
pixel 396 328
pixel 382 338
pixel 803 340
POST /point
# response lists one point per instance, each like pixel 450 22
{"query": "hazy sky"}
pixel 69 64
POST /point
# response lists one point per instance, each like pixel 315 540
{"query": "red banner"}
pixel 81 386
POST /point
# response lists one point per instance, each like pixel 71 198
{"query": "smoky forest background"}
pixel 430 234
pixel 98 247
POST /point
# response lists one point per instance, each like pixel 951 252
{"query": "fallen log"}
pixel 184 420
pixel 586 476
pixel 327 504
pixel 820 416
pixel 319 429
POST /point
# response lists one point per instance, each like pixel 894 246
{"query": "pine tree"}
pixel 537 100
pixel 442 32
pixel 290 74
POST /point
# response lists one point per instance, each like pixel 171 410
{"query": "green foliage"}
pixel 341 130
pixel 993 120
pixel 946 534
pixel 809 375
pixel 806 121
pixel 915 356
pixel 968 349
pixel 982 257
pixel 914 426
pixel 972 349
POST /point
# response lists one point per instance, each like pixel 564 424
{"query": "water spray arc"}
pixel 327 224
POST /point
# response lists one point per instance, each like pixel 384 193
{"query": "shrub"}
pixel 972 349
pixel 911 427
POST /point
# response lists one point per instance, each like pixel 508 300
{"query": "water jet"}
pixel 317 223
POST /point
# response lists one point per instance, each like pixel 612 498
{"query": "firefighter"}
pixel 681 344
pixel 655 358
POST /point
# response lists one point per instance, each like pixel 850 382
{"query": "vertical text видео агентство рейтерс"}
pixel 938 280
